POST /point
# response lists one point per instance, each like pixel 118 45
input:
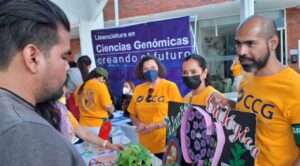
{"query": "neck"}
pixel 13 84
pixel 154 83
pixel 272 67
pixel 199 89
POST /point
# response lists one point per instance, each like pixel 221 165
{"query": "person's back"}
pixel 34 44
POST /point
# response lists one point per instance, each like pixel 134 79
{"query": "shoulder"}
pixel 15 111
pixel 188 95
pixel 141 86
pixel 292 73
pixel 212 89
pixel 38 145
pixel 168 83
pixel 95 83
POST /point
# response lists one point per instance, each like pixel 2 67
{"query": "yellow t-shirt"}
pixel 200 99
pixel 92 102
pixel 73 121
pixel 276 101
pixel 152 112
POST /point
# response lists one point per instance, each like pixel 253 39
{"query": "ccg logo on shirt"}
pixel 256 105
pixel 150 99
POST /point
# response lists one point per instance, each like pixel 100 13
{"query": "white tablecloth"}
pixel 122 122
pixel 121 132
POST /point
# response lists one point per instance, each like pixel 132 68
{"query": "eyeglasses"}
pixel 149 97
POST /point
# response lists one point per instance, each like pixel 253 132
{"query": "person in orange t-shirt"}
pixel 196 77
pixel 149 104
pixel 271 91
pixel 94 101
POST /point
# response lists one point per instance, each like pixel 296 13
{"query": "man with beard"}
pixel 34 44
pixel 271 91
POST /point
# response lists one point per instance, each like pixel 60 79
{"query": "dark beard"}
pixel 55 96
pixel 60 92
pixel 257 64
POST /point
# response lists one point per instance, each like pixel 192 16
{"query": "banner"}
pixel 120 49
pixel 210 135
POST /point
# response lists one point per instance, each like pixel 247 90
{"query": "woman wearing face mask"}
pixel 196 77
pixel 127 92
pixel 149 104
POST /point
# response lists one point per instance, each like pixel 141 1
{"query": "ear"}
pixel 273 42
pixel 32 57
pixel 204 74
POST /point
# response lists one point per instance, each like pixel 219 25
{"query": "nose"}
pixel 242 49
pixel 67 66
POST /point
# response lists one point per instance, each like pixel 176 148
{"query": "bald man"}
pixel 271 91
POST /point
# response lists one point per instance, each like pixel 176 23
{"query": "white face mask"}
pixel 126 90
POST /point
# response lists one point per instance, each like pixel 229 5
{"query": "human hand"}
pixel 150 127
pixel 117 147
pixel 234 62
pixel 222 101
pixel 140 127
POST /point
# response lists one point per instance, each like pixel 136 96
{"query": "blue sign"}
pixel 120 49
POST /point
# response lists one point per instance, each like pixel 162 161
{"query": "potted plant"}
pixel 134 155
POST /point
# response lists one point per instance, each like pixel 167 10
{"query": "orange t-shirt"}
pixel 276 102
pixel 92 102
pixel 200 99
pixel 154 111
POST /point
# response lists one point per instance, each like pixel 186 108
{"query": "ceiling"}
pixel 74 10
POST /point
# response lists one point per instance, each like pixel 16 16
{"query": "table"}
pixel 129 130
pixel 88 152
pixel 121 132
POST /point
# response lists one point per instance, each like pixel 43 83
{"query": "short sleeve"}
pixel 174 93
pixel 105 98
pixel 131 108
pixel 293 113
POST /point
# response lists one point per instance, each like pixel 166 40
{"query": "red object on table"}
pixel 105 130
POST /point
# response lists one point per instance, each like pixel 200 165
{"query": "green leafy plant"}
pixel 237 152
pixel 134 155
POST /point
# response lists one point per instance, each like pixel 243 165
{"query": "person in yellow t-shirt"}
pixel 237 72
pixel 271 91
pixel 93 100
pixel 196 77
pixel 149 104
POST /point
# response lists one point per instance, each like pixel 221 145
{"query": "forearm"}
pixel 88 136
pixel 110 108
pixel 134 120
pixel 297 161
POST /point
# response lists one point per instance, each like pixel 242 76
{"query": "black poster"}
pixel 213 135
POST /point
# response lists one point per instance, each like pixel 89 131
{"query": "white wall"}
pixel 85 29
pixel 91 18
